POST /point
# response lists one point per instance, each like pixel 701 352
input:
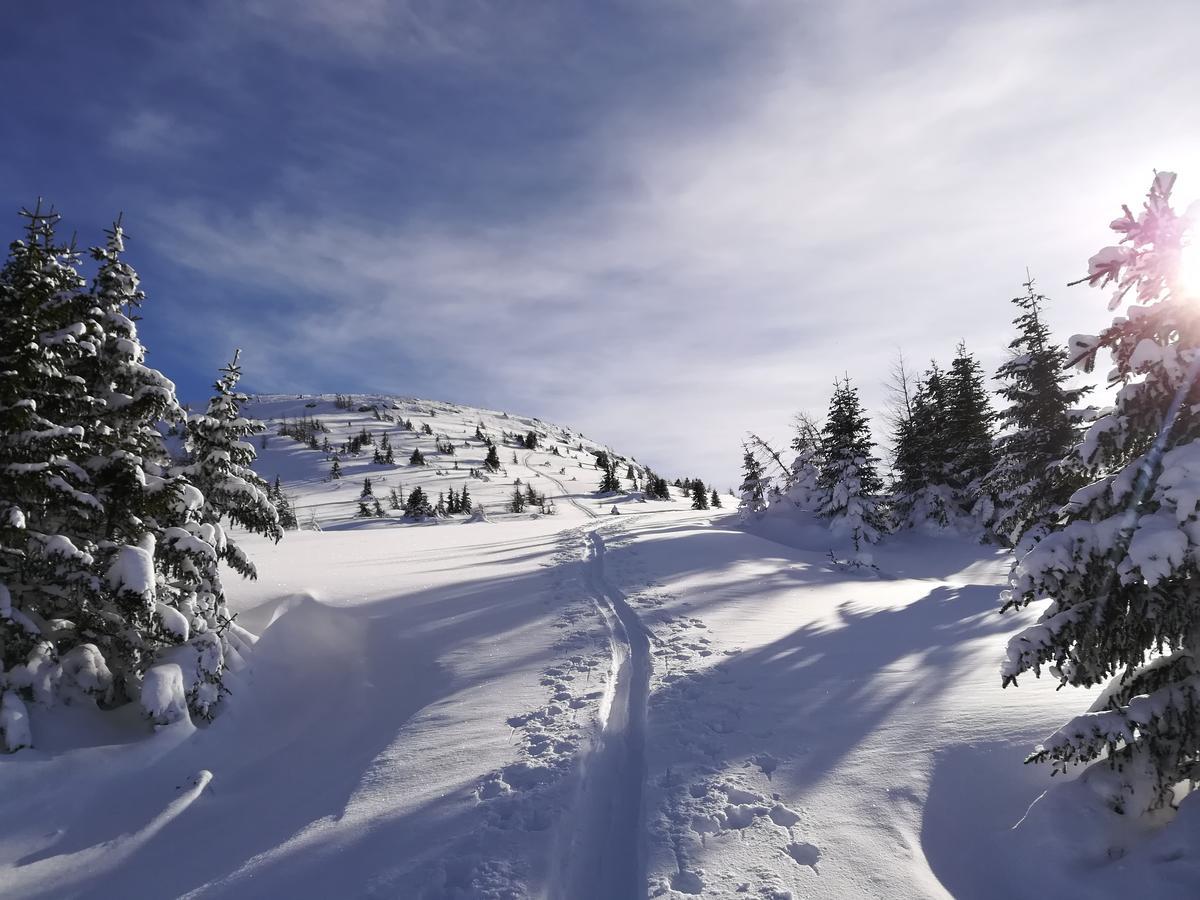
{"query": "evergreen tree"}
pixel 157 520
pixel 1026 485
pixel 417 506
pixel 417 458
pixel 107 558
pixel 377 510
pixel 517 503
pixel 609 482
pixel 47 510
pixel 848 476
pixel 286 511
pixel 364 511
pixel 804 475
pixel 754 483
pixel 440 509
pixel 1119 567
pixel 219 465
pixel 367 490
pixel 335 470
pixel 393 499
pixel 969 427
pixel 699 495
pixel 492 461
pixel 923 456
pixel 716 499
pixel 464 501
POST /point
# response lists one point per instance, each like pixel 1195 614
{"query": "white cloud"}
pixel 153 132
pixel 868 183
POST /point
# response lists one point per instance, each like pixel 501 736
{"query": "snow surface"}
pixel 662 703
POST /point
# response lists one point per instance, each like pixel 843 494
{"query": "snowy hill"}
pixel 563 465
pixel 665 702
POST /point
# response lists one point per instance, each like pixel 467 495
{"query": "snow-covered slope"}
pixel 562 466
pixel 660 703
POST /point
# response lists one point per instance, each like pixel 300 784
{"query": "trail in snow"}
pixel 603 856
pixel 562 487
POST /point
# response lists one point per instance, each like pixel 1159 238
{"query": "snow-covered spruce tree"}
pixel 1026 486
pixel 417 505
pixel 754 483
pixel 144 555
pixel 848 476
pixel 1120 566
pixel 219 464
pixel 47 576
pixel 491 462
pixel 804 479
pixel 921 491
pixel 609 481
pixel 699 495
pixel 162 540
pixel 969 429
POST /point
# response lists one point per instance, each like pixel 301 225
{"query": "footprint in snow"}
pixel 805 854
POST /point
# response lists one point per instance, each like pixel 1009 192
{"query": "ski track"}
pixel 604 853
pixel 591 514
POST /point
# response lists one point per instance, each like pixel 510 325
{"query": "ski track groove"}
pixel 604 856
pixel 591 514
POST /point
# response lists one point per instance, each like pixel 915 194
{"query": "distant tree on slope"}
pixel 417 506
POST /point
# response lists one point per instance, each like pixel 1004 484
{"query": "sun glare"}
pixel 1189 269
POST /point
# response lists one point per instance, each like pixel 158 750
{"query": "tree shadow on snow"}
pixel 321 715
pixel 821 690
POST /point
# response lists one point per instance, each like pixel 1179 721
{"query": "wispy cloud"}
pixel 667 224
pixel 154 133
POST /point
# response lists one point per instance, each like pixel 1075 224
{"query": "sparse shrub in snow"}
pixel 1027 485
pixel 1120 568
pixel 848 477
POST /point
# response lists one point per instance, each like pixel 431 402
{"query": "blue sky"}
pixel 665 222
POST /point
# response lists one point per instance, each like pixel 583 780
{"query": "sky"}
pixel 665 223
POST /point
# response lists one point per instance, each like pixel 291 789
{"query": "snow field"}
pixel 662 703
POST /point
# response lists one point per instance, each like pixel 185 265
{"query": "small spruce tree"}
pixel 848 475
